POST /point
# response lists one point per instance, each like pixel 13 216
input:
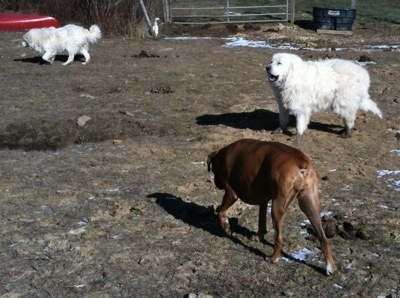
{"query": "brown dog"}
pixel 257 172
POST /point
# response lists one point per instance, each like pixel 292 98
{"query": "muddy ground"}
pixel 122 205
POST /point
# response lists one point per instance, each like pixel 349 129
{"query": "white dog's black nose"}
pixel 272 78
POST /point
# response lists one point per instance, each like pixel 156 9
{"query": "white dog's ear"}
pixel 293 65
pixel 27 38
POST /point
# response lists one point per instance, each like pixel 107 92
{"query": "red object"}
pixel 21 22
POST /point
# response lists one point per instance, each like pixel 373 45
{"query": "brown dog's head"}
pixel 210 159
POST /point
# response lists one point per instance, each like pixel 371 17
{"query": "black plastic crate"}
pixel 334 19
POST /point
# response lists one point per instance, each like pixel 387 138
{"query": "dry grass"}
pixel 114 17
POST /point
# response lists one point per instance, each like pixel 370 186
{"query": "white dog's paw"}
pixel 68 62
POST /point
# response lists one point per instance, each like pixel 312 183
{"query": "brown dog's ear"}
pixel 210 159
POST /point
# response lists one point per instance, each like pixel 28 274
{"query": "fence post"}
pixel 293 4
pixel 227 11
pixel 166 6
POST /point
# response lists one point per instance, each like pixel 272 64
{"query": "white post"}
pixel 353 4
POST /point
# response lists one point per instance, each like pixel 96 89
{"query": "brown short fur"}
pixel 257 172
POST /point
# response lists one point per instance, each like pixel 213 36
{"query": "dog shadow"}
pixel 260 119
pixel 40 61
pixel 205 218
pixel 256 120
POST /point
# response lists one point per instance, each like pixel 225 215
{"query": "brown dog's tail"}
pixel 210 160
pixel 304 172
pixel 300 181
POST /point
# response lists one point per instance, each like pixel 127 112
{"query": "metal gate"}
pixel 228 11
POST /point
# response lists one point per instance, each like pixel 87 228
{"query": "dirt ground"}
pixel 122 205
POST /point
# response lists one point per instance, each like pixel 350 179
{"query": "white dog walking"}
pixel 304 87
pixel 71 38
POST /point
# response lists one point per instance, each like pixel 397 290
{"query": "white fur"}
pixel 304 87
pixel 71 38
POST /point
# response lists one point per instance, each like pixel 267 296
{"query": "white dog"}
pixel 304 87
pixel 71 38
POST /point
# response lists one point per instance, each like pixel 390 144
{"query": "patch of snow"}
pixel 346 188
pixel 198 163
pixel 326 213
pixel 77 231
pixel 300 255
pixel 81 223
pixel 337 286
pixel 234 42
pixel 22 241
pixel 397 151
pixel 391 176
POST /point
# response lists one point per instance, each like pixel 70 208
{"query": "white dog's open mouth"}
pixel 273 78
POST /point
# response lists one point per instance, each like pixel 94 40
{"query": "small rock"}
pixel 83 119
pixel 251 27
pixel 144 54
pixel 199 295
pixel 162 90
pixel 363 235
pixel 350 229
pixel 339 218
pixel 329 225
pixel 364 58
pixel 343 233
pixel 232 28
pixel 86 95
pixel 127 113
pixel 288 293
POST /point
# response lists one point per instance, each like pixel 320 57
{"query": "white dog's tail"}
pixel 94 34
pixel 369 105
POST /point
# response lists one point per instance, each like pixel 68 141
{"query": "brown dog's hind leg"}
pixel 309 204
pixel 229 199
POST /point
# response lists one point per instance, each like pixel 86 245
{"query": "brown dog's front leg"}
pixel 228 200
pixel 262 222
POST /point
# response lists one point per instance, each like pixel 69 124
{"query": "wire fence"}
pixel 228 11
